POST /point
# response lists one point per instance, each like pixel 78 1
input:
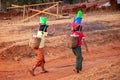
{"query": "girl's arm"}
pixel 84 41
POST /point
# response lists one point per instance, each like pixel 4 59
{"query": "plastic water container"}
pixel 79 14
pixel 77 20
pixel 43 20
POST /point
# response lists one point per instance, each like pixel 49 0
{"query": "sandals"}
pixel 31 72
pixel 45 71
pixel 76 71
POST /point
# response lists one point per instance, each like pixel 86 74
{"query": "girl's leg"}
pixel 43 67
pixel 39 60
pixel 79 58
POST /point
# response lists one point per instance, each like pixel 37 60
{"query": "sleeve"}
pixel 82 35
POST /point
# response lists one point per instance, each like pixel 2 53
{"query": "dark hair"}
pixel 43 28
pixel 79 28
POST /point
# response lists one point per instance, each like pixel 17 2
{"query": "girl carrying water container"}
pixel 41 33
pixel 77 50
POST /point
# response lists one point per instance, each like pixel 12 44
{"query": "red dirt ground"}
pixel 100 63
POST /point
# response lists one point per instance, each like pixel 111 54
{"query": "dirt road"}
pixel 100 63
pixel 62 67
